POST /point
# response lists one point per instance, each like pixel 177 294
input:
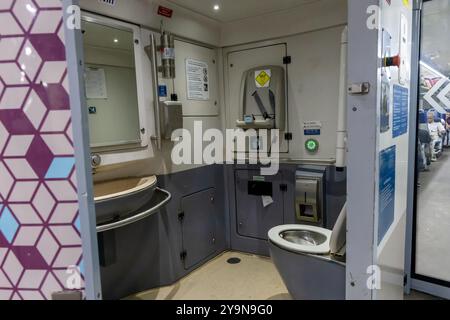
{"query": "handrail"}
pixel 151 51
pixel 138 217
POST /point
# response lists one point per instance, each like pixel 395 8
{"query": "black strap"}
pixel 261 106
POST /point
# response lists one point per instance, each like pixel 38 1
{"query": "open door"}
pixel 430 226
pixel 379 112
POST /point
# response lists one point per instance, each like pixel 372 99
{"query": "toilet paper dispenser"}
pixel 260 188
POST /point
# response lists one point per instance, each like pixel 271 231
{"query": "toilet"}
pixel 311 260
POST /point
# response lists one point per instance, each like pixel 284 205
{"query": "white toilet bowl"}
pixel 305 257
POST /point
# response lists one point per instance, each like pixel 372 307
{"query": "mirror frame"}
pixel 138 54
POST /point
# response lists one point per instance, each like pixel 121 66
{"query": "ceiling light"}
pixel 116 40
pixel 216 7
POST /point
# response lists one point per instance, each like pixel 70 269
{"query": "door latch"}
pixel 359 88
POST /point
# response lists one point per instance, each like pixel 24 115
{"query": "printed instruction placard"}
pixel 197 78
pixel 95 83
pixel 401 111
pixel 386 192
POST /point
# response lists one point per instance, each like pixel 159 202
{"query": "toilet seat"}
pixel 275 236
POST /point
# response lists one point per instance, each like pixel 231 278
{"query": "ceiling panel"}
pixel 231 10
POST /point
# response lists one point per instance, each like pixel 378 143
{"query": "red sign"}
pixel 165 12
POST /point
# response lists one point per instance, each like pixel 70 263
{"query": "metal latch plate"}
pixel 359 88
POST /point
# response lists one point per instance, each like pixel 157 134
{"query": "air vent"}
pixel 108 2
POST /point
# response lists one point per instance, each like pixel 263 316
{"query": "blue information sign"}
pixel 401 111
pixel 162 91
pixel 386 191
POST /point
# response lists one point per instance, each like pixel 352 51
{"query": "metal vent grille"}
pixel 108 2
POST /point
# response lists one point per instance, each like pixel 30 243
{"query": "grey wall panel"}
pixel 336 195
pixel 147 254
pixel 143 258
pixel 335 198
pixel 253 219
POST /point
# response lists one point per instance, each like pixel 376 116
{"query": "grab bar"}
pixel 152 55
pixel 138 217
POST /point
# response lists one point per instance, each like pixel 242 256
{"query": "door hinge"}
pixel 183 255
pixel 283 187
pixel 287 60
pixel 181 216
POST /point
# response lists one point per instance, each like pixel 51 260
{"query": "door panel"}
pixel 198 227
pixel 431 241
pixel 254 220
pixel 191 108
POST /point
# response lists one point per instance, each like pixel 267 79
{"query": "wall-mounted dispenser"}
pixel 168 114
pixel 309 198
pixel 263 99
pixel 167 49
pixel 171 118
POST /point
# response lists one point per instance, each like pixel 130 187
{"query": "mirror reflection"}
pixel 111 87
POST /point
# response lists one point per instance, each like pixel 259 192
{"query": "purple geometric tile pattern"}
pixel 39 235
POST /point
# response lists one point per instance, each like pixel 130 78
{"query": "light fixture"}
pixel 216 7
pixel 116 40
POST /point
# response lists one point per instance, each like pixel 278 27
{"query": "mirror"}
pixel 111 86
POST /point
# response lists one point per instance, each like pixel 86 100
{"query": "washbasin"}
pixel 116 198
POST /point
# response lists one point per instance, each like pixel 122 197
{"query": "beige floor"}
pixel 433 224
pixel 255 278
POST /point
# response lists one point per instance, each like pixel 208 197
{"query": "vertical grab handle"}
pixel 154 60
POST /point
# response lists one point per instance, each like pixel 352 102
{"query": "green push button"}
pixel 312 145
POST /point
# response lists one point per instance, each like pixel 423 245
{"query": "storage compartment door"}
pixel 198 227
pixel 254 219
pixel 206 101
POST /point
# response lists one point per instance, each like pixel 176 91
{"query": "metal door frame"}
pixel 75 65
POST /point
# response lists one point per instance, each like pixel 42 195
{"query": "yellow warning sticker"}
pixel 406 3
pixel 262 78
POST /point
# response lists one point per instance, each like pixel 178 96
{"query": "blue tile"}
pixel 8 225
pixel 81 266
pixel 60 168
pixel 78 224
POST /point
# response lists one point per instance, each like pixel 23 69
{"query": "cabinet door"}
pixel 198 227
pixel 208 57
pixel 254 220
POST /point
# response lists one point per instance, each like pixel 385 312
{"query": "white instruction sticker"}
pixel 95 83
pixel 267 201
pixel 197 79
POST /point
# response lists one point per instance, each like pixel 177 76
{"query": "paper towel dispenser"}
pixel 171 118
pixel 263 99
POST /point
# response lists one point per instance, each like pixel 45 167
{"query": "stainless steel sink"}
pixel 118 198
